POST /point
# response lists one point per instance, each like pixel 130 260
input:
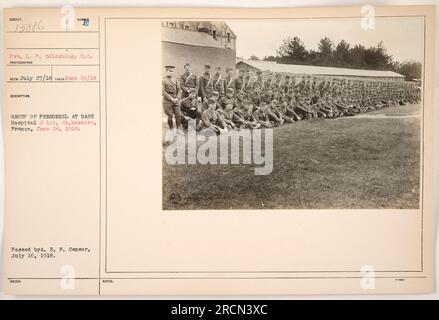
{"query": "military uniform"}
pixel 225 101
pixel 188 107
pixel 259 82
pixel 239 84
pixel 296 96
pixel 206 86
pixel 229 82
pixel 211 118
pixel 171 96
pixel 170 90
pixel 262 118
pixel 188 81
pixel 218 84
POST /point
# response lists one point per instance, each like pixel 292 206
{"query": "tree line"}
pixel 342 55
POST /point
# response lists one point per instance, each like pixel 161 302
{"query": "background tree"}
pixel 292 51
pixel 270 58
pixel 357 56
pixel 376 58
pixel 325 52
pixel 341 54
pixel 410 69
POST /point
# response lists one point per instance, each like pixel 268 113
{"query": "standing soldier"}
pixel 229 81
pixel 171 98
pixel 188 81
pixel 218 82
pixel 239 82
pixel 259 82
pixel 247 81
pixel 206 84
pixel 268 82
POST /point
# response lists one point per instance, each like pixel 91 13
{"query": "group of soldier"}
pixel 224 102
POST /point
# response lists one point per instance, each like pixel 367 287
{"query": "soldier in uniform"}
pixel 212 119
pixel 218 82
pixel 247 82
pixel 205 84
pixel 189 109
pixel 214 97
pixel 227 115
pixel 244 116
pixel 224 101
pixel 261 116
pixel 229 81
pixel 239 82
pixel 285 112
pixel 269 82
pixel 273 112
pixel 171 98
pixel 240 97
pixel 188 80
pixel 255 95
pixel 285 85
pixel 259 81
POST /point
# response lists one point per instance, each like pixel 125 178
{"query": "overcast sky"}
pixel 403 37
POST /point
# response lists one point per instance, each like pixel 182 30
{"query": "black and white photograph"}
pixel 334 107
pixel 247 150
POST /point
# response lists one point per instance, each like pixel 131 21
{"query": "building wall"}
pixel 179 54
pixel 218 30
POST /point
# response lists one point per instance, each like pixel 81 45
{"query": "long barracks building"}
pixel 360 74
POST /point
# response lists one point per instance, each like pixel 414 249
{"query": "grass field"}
pixel 317 164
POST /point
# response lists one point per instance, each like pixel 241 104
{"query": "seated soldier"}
pixel 214 96
pixel 314 108
pixel 189 108
pixel 255 96
pixel 331 105
pixel 349 109
pixel 367 103
pixel 239 100
pixel 300 109
pixel 222 102
pixel 276 107
pixel 307 105
pixel 353 102
pixel 340 106
pixel 227 116
pixel 273 113
pixel 261 115
pixel 323 111
pixel 291 105
pixel 244 116
pixel 284 108
pixel 212 119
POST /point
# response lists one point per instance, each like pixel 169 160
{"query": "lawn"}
pixel 317 164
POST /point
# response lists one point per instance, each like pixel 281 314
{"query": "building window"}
pixel 214 34
pixel 228 36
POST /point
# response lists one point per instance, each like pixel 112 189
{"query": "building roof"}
pixel 324 71
pixel 189 37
